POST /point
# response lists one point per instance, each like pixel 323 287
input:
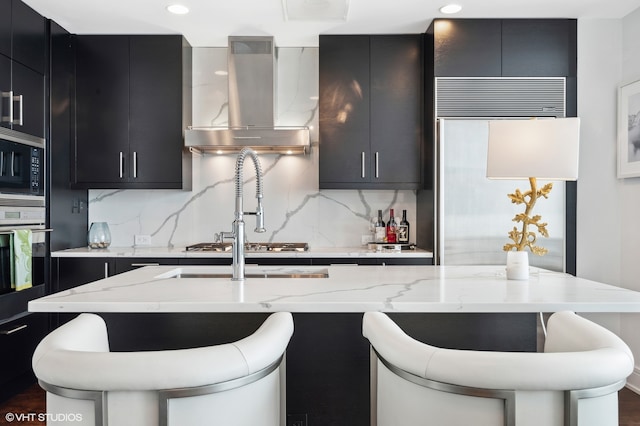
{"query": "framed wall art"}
pixel 629 130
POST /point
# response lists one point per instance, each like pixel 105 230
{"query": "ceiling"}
pixel 210 21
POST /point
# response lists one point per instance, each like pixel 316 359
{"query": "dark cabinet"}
pixel 504 47
pixel 22 34
pixel 102 111
pixel 370 111
pixel 28 87
pixel 18 340
pixel 131 263
pixel 28 36
pixel 539 47
pixel 133 104
pixel 344 110
pixel 66 207
pixel 467 47
pixel 22 58
pixel 5 27
pixel 396 110
pixel 156 133
pixel 70 272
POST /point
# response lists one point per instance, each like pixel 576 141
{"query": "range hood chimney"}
pixel 252 89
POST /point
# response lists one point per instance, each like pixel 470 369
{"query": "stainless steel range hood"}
pixel 252 106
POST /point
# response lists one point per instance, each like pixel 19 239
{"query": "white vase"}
pixel 517 265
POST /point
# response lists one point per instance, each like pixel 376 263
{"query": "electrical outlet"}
pixel 296 420
pixel 142 240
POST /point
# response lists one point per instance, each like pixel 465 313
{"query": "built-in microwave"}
pixel 21 165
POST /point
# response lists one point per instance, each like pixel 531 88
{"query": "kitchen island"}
pixel 347 288
pixel 465 307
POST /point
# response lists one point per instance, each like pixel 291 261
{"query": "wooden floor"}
pixel 629 403
pixel 32 402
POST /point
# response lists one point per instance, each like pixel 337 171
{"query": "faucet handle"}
pixel 260 217
pixel 219 237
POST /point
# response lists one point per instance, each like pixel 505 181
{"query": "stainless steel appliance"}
pixel 14 217
pixel 250 247
pixel 22 167
pixel 22 200
pixel 252 99
pixel 473 213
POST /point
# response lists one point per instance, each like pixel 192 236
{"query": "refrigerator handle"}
pixel 438 254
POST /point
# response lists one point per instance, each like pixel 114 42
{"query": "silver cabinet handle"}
pixel 377 174
pixel 362 157
pixel 139 265
pixel 135 164
pixel 121 163
pixel 13 330
pixel 9 117
pixel 20 119
pixel 13 162
pixel 106 269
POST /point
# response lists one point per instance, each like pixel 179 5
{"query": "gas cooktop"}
pixel 250 247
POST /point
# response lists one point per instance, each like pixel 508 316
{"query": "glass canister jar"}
pixel 99 235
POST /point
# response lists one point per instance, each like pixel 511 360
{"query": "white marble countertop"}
pixel 179 252
pixel 348 289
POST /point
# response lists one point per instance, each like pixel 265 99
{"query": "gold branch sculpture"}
pixel 526 238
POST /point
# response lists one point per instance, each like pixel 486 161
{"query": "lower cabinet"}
pixel 70 272
pixel 18 340
pixel 129 264
pixel 20 333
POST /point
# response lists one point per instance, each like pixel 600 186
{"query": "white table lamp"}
pixel 533 149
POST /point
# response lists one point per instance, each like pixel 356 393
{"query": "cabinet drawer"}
pixel 18 340
pixel 15 303
pixel 129 264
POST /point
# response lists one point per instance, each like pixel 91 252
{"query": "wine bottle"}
pixel 380 229
pixel 392 228
pixel 403 229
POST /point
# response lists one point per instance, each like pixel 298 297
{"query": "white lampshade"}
pixel 546 149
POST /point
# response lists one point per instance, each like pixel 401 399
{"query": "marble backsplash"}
pixel 295 209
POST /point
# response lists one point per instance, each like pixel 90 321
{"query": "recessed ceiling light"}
pixel 451 8
pixel 178 9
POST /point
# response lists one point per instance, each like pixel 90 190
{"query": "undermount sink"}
pixel 185 273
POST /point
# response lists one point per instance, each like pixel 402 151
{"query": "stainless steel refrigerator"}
pixel 472 214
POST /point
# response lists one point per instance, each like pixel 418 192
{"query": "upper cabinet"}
pixel 22 68
pixel 5 27
pixel 133 97
pixel 503 47
pixel 465 47
pixel 29 37
pixel 370 111
pixel 539 47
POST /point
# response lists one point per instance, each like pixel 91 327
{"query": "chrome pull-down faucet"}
pixel 238 233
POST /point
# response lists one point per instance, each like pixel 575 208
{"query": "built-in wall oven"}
pixel 22 201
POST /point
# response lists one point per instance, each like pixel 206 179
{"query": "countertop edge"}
pixel 180 252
